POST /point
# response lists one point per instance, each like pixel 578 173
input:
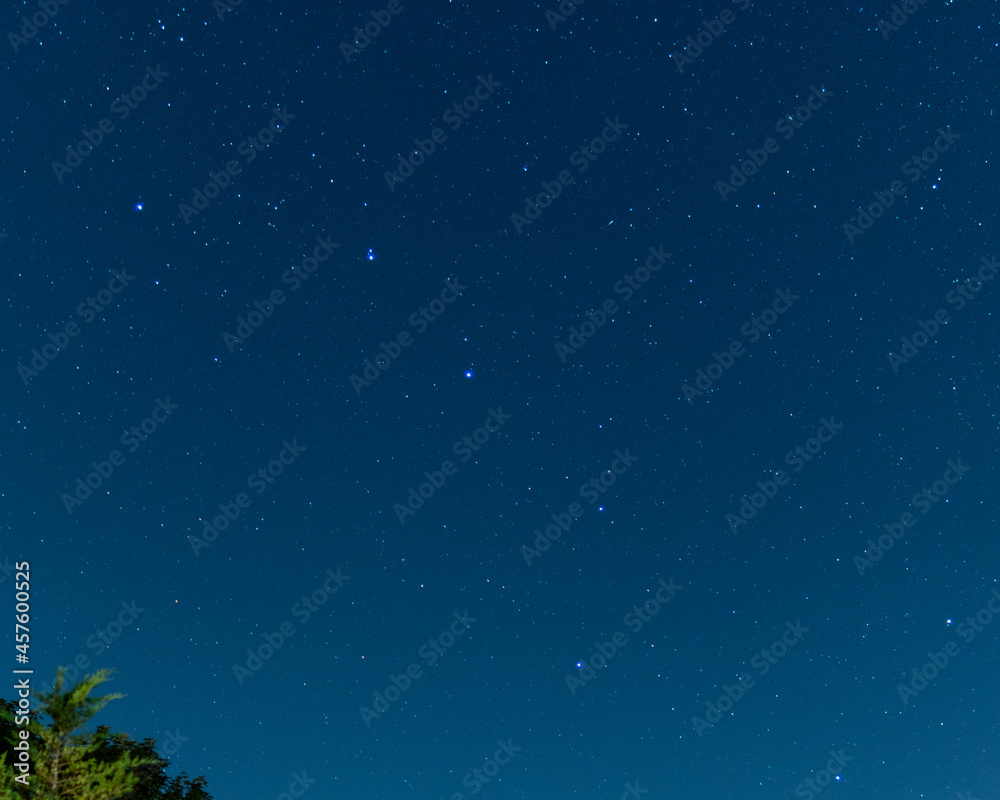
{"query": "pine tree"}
pixel 153 781
pixel 69 763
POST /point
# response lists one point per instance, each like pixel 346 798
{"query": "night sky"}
pixel 536 402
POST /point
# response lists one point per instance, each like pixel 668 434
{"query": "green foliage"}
pixel 70 763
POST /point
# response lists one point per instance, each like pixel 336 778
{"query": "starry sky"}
pixel 551 401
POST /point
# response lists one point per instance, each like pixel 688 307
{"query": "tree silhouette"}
pixel 70 763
